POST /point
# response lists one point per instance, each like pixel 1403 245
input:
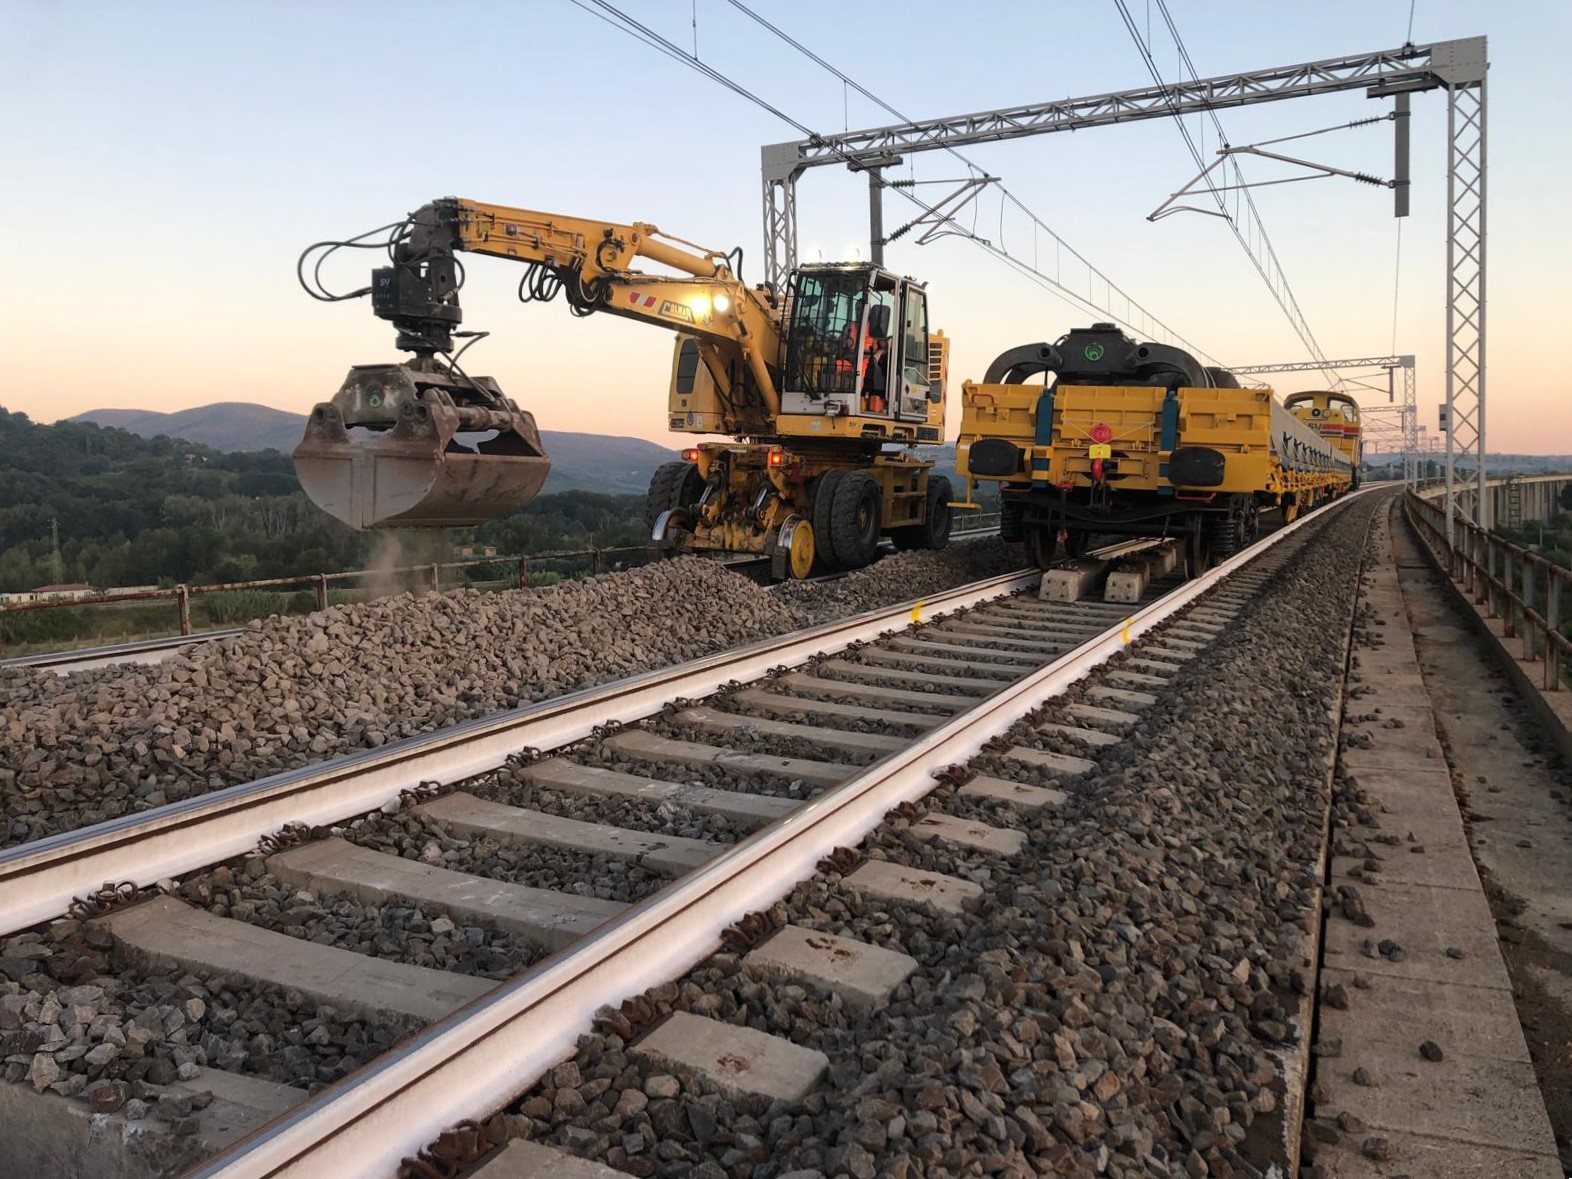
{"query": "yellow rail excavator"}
pixel 823 389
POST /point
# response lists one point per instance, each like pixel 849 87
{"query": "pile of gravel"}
pixel 1113 1005
pixel 290 691
pixel 903 576
pixel 80 749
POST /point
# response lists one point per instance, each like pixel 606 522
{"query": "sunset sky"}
pixel 168 161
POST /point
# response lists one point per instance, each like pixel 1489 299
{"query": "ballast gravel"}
pixel 662 818
pixel 901 577
pixel 1114 1003
pixel 413 934
pixel 744 740
pixel 76 1021
pixel 79 749
pixel 602 877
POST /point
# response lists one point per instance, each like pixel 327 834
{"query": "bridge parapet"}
pixel 1523 590
pixel 1514 499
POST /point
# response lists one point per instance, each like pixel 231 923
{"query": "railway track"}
pixel 732 797
pixel 40 878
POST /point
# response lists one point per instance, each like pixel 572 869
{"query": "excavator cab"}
pixel 858 345
pixel 421 444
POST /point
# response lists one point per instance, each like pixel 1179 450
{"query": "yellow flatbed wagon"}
pixel 1137 439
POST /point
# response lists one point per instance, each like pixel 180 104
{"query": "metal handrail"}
pixel 1512 583
pixel 319 581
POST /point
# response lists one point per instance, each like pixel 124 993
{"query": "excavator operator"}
pixel 873 366
pixel 875 373
pixel 845 363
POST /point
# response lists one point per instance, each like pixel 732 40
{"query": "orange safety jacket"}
pixel 876 401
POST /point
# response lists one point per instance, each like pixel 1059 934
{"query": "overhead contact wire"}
pixel 1038 223
pixel 1281 290
pixel 618 19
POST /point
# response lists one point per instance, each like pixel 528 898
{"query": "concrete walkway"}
pixel 1411 955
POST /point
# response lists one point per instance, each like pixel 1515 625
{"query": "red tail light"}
pixel 691 455
pixel 777 458
pixel 1102 433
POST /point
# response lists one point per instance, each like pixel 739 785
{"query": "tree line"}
pixel 130 511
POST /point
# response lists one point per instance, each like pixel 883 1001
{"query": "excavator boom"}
pixel 819 390
pixel 423 444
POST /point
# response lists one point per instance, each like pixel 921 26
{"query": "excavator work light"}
pixel 722 303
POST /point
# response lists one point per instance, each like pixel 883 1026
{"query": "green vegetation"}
pixel 1552 540
pixel 133 511
pixel 28 632
pixel 231 607
pixel 569 520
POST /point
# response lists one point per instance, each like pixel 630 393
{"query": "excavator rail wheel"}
pixel 793 551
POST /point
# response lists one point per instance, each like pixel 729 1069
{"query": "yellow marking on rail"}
pixel 1125 634
pixel 917 612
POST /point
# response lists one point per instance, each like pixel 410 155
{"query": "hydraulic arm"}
pixel 399 445
pixel 591 264
pixel 820 388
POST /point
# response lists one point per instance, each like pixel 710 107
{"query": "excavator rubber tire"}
pixel 674 485
pixel 823 512
pixel 934 531
pixel 854 519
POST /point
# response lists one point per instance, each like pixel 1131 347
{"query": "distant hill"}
pixel 593 462
pixel 1495 464
pixel 225 425
pixel 579 462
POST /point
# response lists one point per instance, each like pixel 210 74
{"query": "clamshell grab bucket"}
pixel 402 446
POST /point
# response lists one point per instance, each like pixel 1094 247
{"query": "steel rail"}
pixel 137 651
pixel 476 1059
pixel 39 879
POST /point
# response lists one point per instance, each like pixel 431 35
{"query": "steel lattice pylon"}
pixel 1465 293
